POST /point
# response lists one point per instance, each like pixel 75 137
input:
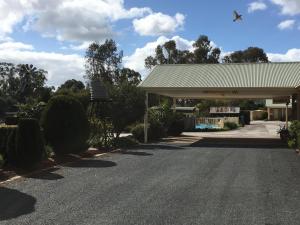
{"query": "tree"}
pixel 22 82
pixel 164 54
pixel 127 106
pixel 249 55
pixel 204 51
pixel 127 75
pixel 73 85
pixel 103 61
pixel 31 79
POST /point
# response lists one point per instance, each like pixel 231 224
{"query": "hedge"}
pixel 5 132
pixel 26 146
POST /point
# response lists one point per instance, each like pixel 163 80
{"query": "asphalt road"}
pixel 162 185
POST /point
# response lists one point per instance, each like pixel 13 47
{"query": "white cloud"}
pixel 71 20
pixel 80 47
pixel 136 61
pixel 288 7
pixel 255 6
pixel 291 55
pixel 157 24
pixel 286 24
pixel 11 45
pixel 60 67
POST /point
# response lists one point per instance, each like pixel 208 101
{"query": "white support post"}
pixel 287 116
pixel 269 114
pixel 174 105
pixel 298 106
pixel 146 120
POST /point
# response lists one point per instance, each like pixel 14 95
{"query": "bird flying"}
pixel 236 16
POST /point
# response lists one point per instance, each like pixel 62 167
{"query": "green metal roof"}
pixel 244 75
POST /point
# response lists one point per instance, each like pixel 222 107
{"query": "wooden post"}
pixel 146 120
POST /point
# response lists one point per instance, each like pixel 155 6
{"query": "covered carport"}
pixel 225 81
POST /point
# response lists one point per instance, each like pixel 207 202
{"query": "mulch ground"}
pixel 8 171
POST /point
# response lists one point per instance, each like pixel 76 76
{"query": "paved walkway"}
pixel 257 130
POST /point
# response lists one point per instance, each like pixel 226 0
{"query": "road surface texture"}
pixel 163 184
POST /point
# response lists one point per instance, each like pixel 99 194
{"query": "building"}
pixel 277 111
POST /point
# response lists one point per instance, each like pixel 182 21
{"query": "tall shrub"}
pixel 26 146
pixel 5 132
pixel 65 124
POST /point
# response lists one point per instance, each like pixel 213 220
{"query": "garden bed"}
pixel 8 172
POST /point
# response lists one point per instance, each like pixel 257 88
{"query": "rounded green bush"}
pixel 138 132
pixel 230 125
pixel 66 125
pixel 25 145
pixel 155 132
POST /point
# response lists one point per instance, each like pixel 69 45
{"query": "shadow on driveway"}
pixel 91 163
pixel 137 153
pixel 159 147
pixel 46 175
pixel 239 142
pixel 14 203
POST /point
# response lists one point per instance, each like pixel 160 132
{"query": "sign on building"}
pixel 224 110
pixel 281 100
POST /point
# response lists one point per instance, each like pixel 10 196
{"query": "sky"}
pixel 54 34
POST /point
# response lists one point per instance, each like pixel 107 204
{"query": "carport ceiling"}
pixel 249 80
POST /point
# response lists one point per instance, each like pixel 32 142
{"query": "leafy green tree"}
pixel 164 54
pixel 31 78
pixel 127 106
pixel 127 75
pixel 204 51
pixel 103 61
pixel 22 82
pixel 249 55
pixel 73 85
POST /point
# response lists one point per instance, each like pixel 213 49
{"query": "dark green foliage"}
pixel 176 127
pixel 23 83
pixel 294 134
pixel 138 132
pixel 204 51
pixel 230 126
pixel 5 132
pixel 245 117
pixel 129 76
pixel 125 142
pixel 11 120
pixel 101 134
pixel 83 96
pixel 65 124
pixel 26 145
pixel 155 131
pixel 168 53
pixel 34 110
pixel 103 61
pixel 72 85
pixel 250 55
pixel 127 106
